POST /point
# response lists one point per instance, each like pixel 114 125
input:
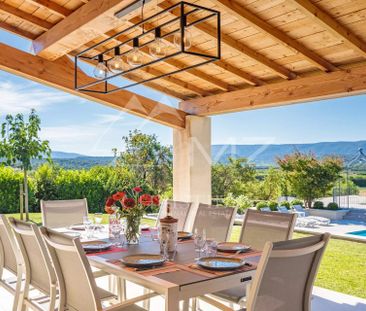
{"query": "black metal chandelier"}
pixel 165 40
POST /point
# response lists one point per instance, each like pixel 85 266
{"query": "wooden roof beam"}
pixel 316 87
pixel 84 24
pixel 240 47
pixel 40 23
pixel 331 24
pixel 53 7
pixel 60 74
pixel 246 16
pixel 15 30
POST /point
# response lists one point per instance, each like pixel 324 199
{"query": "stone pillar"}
pixel 192 162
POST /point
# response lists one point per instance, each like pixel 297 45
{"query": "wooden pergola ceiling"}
pixel 268 46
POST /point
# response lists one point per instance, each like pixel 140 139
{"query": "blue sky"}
pixel 73 124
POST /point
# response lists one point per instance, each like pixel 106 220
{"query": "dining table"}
pixel 180 278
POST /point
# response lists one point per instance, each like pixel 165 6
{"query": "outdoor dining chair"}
pixel 63 213
pixel 10 264
pixel 217 221
pixel 258 229
pixel 77 288
pixel 285 275
pixel 261 227
pixel 179 210
pixel 37 269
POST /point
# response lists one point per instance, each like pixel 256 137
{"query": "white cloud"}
pixel 21 98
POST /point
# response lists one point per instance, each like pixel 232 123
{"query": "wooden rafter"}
pixel 246 16
pixel 241 48
pixel 331 24
pixel 40 23
pixel 316 87
pixel 52 6
pixel 60 74
pixel 84 24
pixel 23 33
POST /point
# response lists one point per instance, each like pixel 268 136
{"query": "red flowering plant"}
pixel 131 205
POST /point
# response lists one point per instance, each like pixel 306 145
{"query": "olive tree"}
pixel 20 144
pixel 310 178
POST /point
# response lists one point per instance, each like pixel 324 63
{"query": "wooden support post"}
pixel 192 162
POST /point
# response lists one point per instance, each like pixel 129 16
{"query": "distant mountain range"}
pixel 265 155
pixel 261 155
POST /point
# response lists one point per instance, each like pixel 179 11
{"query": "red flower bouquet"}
pixel 131 206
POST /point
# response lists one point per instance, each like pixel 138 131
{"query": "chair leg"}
pixel 146 303
pixel 194 304
pixel 121 289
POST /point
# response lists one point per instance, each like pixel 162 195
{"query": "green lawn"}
pixel 343 268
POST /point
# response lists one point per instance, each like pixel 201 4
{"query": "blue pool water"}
pixel 359 233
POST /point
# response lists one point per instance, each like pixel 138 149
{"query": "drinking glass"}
pixel 98 218
pixel 154 231
pixel 89 227
pixel 199 241
pixel 116 230
pixel 211 247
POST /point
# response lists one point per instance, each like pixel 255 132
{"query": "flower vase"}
pixel 132 231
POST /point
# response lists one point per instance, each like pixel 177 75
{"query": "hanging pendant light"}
pixel 100 70
pixel 158 48
pixel 116 64
pixel 187 36
pixel 134 58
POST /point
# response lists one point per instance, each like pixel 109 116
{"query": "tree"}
pixel 20 144
pixel 309 177
pixel 231 177
pixel 148 160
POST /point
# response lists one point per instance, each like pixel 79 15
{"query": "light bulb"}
pixel 187 39
pixel 134 58
pixel 116 65
pixel 100 70
pixel 158 49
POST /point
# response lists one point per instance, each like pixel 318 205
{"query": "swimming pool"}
pixel 358 233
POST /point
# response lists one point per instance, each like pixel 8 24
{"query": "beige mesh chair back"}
pixel 8 247
pixel 10 260
pixel 77 287
pixel 38 269
pixel 63 213
pixel 179 210
pixel 285 275
pixel 261 227
pixel 217 221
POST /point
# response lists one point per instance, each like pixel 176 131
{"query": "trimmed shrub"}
pixel 241 202
pixel 297 202
pixel 261 204
pixel 333 206
pixel 285 203
pixel 273 205
pixel 318 205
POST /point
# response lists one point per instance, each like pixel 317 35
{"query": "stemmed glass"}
pixel 199 241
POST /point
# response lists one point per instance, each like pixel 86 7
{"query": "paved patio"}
pixel 324 300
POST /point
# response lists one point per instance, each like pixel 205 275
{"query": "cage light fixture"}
pixel 139 52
